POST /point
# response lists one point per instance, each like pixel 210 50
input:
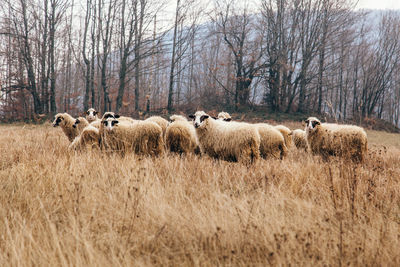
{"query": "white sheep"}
pixel 180 136
pixel 348 141
pixel 286 133
pixel 66 122
pixel 224 116
pixel 88 139
pixel 110 114
pixel 140 137
pixel 225 140
pixel 91 115
pixel 81 123
pixel 272 140
pixel 272 143
pixel 299 139
pixel 163 123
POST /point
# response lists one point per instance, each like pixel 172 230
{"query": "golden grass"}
pixel 61 208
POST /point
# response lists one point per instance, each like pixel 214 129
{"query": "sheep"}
pixel 224 116
pixel 140 137
pixel 180 136
pixel 272 141
pixel 66 122
pixel 110 114
pixel 299 139
pixel 176 117
pixel 286 132
pixel 91 115
pixel 81 123
pixel 225 140
pixel 88 139
pixel 163 123
pixel 347 141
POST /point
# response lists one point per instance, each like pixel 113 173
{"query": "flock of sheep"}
pixel 218 137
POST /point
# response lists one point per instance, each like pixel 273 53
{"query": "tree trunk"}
pixel 172 70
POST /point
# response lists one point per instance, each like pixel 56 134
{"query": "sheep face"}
pixel 110 114
pixel 200 119
pixel 91 114
pixel 312 124
pixel 224 116
pixel 77 121
pixel 58 119
pixel 109 124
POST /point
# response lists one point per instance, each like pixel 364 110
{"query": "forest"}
pixel 309 56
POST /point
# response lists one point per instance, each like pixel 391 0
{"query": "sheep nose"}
pixel 196 125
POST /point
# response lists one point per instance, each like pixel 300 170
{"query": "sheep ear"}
pixel 191 116
pixel 95 112
pixel 228 119
pixel 215 118
pixel 317 123
pixel 77 121
pixel 117 116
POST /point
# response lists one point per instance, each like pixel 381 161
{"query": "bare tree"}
pixel 106 26
pixel 245 41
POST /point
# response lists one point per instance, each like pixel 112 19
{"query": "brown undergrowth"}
pixel 62 208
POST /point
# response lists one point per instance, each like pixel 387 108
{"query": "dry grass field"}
pixel 59 208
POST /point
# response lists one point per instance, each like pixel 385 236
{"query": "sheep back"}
pixel 163 123
pixel 88 139
pixel 286 133
pixel 180 137
pixel 272 143
pixel 299 139
pixel 231 141
pixel 348 141
pixel 141 137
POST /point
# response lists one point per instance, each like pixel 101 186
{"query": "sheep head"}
pixel 59 118
pixel 312 124
pixel 77 121
pixel 109 124
pixel 109 114
pixel 91 114
pixel 200 119
pixel 177 118
pixel 224 116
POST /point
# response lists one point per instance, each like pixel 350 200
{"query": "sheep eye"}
pixel 114 122
pixel 105 123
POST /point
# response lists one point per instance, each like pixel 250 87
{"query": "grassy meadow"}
pixel 61 208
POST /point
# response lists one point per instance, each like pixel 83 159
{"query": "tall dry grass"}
pixel 59 208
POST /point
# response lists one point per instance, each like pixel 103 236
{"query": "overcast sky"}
pixel 379 4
